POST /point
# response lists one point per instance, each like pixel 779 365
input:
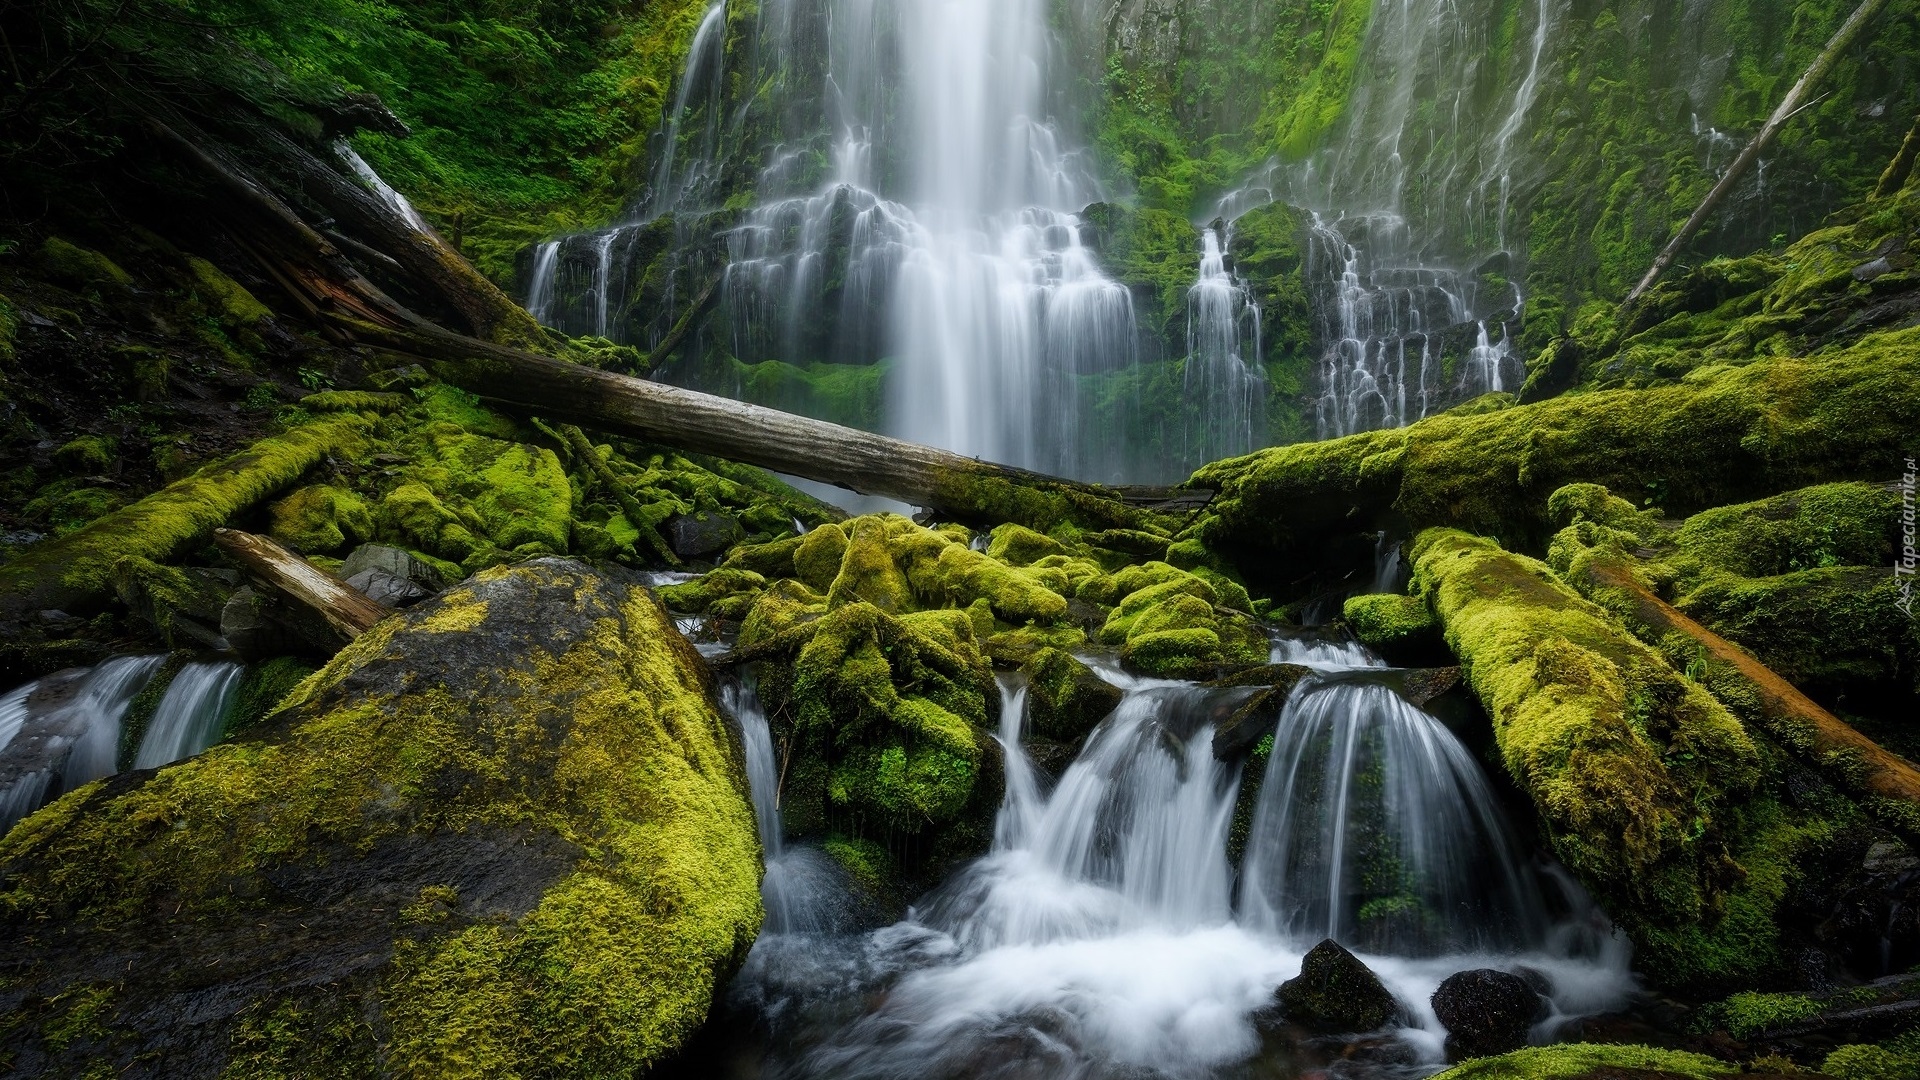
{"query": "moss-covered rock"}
pixel 87 454
pixel 321 519
pixel 1387 620
pixel 509 822
pixel 74 572
pixel 1336 992
pixel 83 268
pixel 1065 699
pixel 183 606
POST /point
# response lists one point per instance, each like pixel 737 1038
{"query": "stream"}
pixel 1107 933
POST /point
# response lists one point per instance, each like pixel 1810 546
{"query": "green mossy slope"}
pixel 509 823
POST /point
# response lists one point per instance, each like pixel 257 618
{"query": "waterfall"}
pixel 799 888
pixel 1103 934
pixel 64 731
pixel 1376 828
pixel 383 191
pixel 191 714
pixel 1223 375
pixel 701 82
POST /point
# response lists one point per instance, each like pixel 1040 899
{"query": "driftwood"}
pixel 346 609
pixel 1790 106
pixel 1854 761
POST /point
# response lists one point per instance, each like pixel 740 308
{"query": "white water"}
pixel 79 738
pixel 1104 936
pixel 800 887
pixel 381 189
pixel 1224 379
pixel 190 715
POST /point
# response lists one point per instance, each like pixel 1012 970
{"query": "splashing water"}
pixel 1223 373
pixel 1102 935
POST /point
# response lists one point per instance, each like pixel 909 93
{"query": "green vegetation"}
pixel 1573 1061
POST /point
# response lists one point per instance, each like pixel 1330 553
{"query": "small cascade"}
pixel 801 888
pixel 65 731
pixel 1390 571
pixel 1376 828
pixel 191 714
pixel 1402 339
pixel 1103 936
pixel 682 179
pixel 1224 375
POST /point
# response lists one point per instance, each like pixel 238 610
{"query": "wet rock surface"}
pixel 1335 992
pixel 1485 1012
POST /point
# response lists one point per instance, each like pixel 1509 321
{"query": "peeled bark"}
pixel 346 609
pixel 1843 39
pixel 1852 760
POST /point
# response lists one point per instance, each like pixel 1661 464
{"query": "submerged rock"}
pixel 1486 1012
pixel 1336 993
pixel 508 823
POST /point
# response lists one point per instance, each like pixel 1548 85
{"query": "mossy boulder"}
pixel 1065 699
pixel 183 606
pixel 1336 993
pixel 1174 627
pixel 320 519
pixel 87 454
pixel 1389 622
pixel 83 268
pixel 508 823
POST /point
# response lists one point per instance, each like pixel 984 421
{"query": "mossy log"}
pixel 1723 434
pixel 1888 783
pixel 74 573
pixel 344 608
pixel 505 833
pixel 1628 763
pixel 966 489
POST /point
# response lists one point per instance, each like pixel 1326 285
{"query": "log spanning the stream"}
pixel 966 489
pixel 334 294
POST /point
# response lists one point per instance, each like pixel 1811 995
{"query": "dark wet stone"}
pixel 1485 1011
pixel 1335 992
pixel 697 536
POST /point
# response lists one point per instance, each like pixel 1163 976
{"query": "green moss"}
pixel 74 572
pixel 1385 620
pixel 262 688
pixel 1894 1059
pixel 235 306
pixel 87 454
pixel 1628 762
pixel 69 505
pixel 1577 1061
pixel 1322 98
pixel 1749 1014
pixel 1065 698
pixel 9 333
pixel 320 520
pixel 183 608
pixel 1167 624
pixel 1724 434
pixel 697 596
pixel 82 268
pixel 865 861
pixel 1017 545
pixel 353 401
pixel 572 714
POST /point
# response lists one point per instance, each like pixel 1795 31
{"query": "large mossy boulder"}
pixel 504 833
pixel 1335 992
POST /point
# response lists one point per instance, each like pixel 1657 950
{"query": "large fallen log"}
pixel 1889 784
pixel 334 294
pixel 963 488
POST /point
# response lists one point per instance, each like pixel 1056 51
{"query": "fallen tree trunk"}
pixel 966 489
pixel 1790 106
pixel 1890 786
pixel 346 609
pixel 1901 167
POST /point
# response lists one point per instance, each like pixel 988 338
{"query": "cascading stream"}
pixel 1224 377
pixel 1104 934
pixel 64 731
pixel 191 714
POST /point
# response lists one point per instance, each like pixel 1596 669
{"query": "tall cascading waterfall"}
pixel 1409 250
pixel 1224 379
pixel 1105 933
pixel 923 215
